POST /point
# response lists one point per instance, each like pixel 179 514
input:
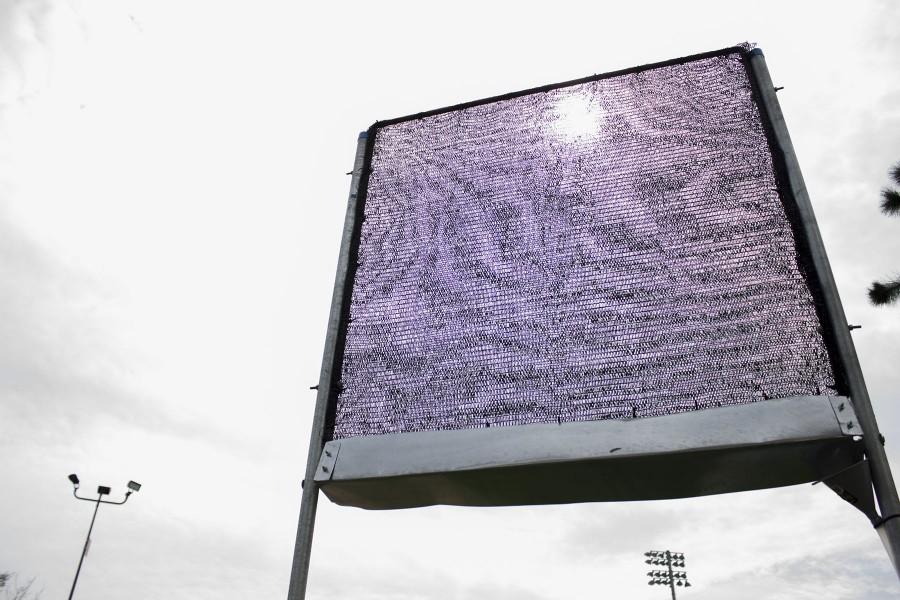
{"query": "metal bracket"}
pixel 325 468
pixel 854 485
pixel 845 415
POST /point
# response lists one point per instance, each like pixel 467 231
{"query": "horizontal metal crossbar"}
pixel 734 448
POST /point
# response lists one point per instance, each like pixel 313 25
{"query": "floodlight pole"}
pixel 671 574
pixel 329 373
pixel 87 542
pixel 888 525
pixel 102 491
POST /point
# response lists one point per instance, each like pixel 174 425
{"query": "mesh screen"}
pixel 613 249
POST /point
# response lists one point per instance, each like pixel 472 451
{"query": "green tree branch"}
pixel 888 292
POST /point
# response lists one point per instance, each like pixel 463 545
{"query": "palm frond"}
pixel 884 292
pixel 890 201
pixel 895 173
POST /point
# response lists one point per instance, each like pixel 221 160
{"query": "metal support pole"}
pixel 671 574
pixel 882 479
pixel 87 542
pixel 310 496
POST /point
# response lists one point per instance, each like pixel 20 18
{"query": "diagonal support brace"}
pixel 854 485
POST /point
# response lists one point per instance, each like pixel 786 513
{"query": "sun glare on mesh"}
pixel 577 117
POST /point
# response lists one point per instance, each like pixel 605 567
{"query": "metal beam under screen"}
pixel 601 290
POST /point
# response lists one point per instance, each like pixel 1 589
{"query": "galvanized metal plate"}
pixel 325 469
pixel 733 448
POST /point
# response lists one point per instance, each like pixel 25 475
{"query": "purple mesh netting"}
pixel 611 249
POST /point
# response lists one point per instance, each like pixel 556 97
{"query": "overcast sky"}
pixel 172 189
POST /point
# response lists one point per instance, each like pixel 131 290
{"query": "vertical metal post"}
pixel 87 542
pixel 882 479
pixel 310 496
pixel 671 574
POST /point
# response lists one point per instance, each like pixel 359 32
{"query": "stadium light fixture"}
pixel 670 576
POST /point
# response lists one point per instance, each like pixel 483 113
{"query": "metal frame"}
pixel 415 469
pixel 328 376
pixel 783 151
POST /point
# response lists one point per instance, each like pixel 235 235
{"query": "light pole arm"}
pixel 75 493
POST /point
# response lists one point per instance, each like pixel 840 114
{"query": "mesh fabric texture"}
pixel 613 249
